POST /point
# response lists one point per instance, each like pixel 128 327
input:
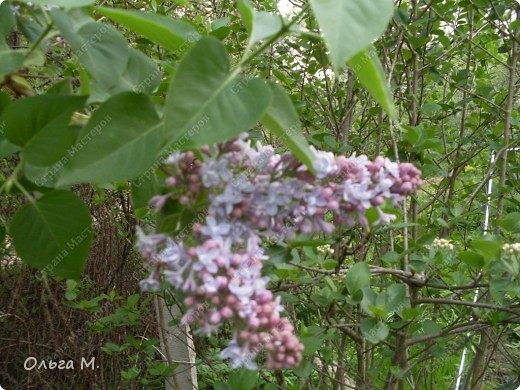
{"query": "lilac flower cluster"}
pixel 256 194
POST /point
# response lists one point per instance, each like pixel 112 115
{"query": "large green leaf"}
pixel 119 142
pixel 7 22
pixel 141 75
pixel 349 26
pixel 101 49
pixel 358 276
pixel 206 104
pixel 174 35
pixel 368 69
pixel 53 234
pixel 282 119
pixel 6 147
pixel 40 124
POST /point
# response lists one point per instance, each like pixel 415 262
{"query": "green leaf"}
pixel 53 234
pixel 242 380
pixel 282 119
pixel 100 48
pixel 7 22
pixel 2 234
pixel 358 276
pixel 40 124
pixel 349 26
pixel 131 373
pixel 62 3
pixel 206 104
pixel 489 248
pixel 511 223
pixel 431 108
pixel 472 259
pixel 430 327
pixel 6 147
pixel 374 331
pixel 143 189
pixel 141 75
pixel 174 35
pixel 259 25
pixel 396 300
pixel 368 69
pixel 10 62
pixel 118 143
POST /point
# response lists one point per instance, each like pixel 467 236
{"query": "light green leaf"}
pixel 349 26
pixel 118 143
pixel 431 108
pixel 174 35
pixel 100 48
pixel 259 25
pixel 10 61
pixel 206 104
pixel 358 276
pixel 489 248
pixel 511 223
pixel 472 259
pixel 53 234
pixel 282 119
pixel 368 69
pixel 374 331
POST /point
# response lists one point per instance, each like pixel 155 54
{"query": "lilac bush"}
pixel 255 194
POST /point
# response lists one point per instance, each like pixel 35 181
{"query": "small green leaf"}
pixel 282 119
pixel 430 327
pixel 143 189
pixel 2 234
pixel 489 248
pixel 206 104
pixel 511 223
pixel 358 276
pixel 368 69
pixel 472 259
pixel 304 369
pixel 174 35
pixel 374 331
pixel 242 380
pixel 349 26
pixel 259 25
pixel 53 234
pixel 431 108
pixel 131 373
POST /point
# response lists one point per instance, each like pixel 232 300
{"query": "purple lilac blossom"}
pixel 255 194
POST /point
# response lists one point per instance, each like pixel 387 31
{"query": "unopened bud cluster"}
pixel 253 195
pixel 441 243
pixel 512 249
